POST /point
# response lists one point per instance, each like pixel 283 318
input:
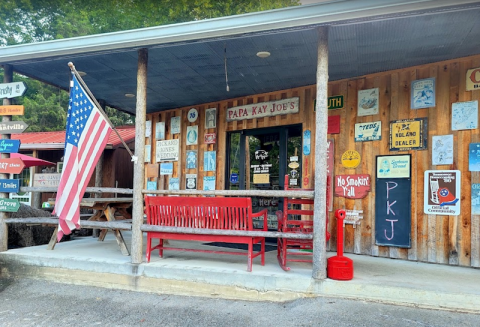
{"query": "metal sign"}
pixel 11 166
pixel 12 127
pixel 12 90
pixel 9 185
pixel 335 102
pixel 11 110
pixel 9 146
pixel 9 205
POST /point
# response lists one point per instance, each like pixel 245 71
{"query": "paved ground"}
pixel 28 302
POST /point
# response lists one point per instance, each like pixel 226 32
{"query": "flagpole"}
pixel 72 67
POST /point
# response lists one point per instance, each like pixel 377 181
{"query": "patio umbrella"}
pixel 31 161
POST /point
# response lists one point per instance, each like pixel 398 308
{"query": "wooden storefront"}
pixel 444 239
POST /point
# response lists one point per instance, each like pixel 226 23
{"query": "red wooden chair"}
pixel 292 220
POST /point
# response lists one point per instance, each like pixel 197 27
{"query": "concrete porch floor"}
pixel 86 261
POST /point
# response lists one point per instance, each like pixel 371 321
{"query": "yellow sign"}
pixel 351 159
pixel 12 110
pixel 473 79
pixel 261 178
pixel 408 134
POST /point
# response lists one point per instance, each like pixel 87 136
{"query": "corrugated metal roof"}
pixel 56 140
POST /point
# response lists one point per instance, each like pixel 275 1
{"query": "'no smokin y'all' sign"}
pixel 263 109
pixel 352 186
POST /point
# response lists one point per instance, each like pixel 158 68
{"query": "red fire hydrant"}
pixel 340 267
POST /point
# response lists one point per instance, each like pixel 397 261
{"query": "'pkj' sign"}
pixel 11 166
pixel 12 90
pixel 9 205
pixel 12 127
pixel 9 146
pixel 9 185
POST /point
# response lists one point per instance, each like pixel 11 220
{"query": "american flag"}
pixel 86 135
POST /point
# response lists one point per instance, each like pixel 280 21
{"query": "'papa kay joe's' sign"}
pixel 263 109
pixel 408 134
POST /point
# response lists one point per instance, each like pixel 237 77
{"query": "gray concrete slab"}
pixel 86 261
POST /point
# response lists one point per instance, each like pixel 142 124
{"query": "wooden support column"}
pixel 321 123
pixel 99 166
pixel 35 196
pixel 7 78
pixel 139 168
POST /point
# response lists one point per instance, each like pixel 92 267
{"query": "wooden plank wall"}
pixel 453 240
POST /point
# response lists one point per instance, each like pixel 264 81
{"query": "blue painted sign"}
pixel 166 168
pixel 306 142
pixel 9 185
pixel 9 146
pixel 234 178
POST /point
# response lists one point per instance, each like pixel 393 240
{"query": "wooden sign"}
pixel 330 169
pixel 353 217
pixel 12 127
pixel 151 170
pixel 9 205
pixel 352 186
pixel 11 166
pixel 12 110
pixel 408 134
pixel 46 180
pixel 263 109
pixel 335 102
pixel 9 185
pixel 9 146
pixel 167 150
pixel 12 90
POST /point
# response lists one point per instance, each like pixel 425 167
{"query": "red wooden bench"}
pixel 204 213
pixel 293 220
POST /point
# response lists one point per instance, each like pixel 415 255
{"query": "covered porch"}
pixel 85 261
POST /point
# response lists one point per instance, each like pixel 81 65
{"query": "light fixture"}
pixel 263 54
pixel 129 95
pixel 81 73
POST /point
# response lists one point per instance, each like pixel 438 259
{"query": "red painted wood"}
pixel 204 213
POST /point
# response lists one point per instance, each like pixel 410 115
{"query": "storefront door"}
pixel 259 159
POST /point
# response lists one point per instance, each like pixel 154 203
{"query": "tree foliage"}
pixel 26 21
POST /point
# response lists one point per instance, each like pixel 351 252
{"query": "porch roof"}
pixel 187 61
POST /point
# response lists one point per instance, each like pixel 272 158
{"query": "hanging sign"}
pixel 9 205
pixel 335 102
pixel 352 186
pixel 234 178
pixel 12 127
pixel 351 159
pixel 9 185
pixel 12 110
pixel 442 192
pixel 368 131
pixel 11 166
pixel 408 134
pixel 166 168
pixel 333 125
pixel 473 79
pixel 330 169
pixel 12 90
pixel 263 109
pixel 167 150
pixel 192 115
pixel 210 138
pixel 9 146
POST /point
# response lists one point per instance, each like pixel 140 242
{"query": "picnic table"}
pixel 106 209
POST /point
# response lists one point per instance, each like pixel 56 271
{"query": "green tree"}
pixel 26 21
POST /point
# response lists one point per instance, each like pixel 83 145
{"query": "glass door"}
pixel 259 159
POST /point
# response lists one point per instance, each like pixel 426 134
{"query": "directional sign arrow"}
pixel 12 90
pixel 11 166
pixel 12 127
pixel 9 205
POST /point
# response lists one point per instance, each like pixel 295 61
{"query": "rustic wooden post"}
pixel 139 168
pixel 36 196
pixel 321 123
pixel 7 78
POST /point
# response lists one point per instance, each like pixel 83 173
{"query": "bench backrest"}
pixel 200 212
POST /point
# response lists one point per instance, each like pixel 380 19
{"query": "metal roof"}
pixel 56 140
pixel 186 61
